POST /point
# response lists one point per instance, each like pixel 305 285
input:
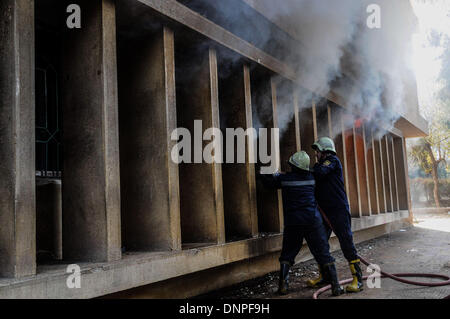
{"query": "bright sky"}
pixel 433 16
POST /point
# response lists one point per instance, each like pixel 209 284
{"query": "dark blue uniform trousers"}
pixel 341 222
pixel 315 238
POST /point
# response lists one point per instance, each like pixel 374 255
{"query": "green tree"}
pixel 432 151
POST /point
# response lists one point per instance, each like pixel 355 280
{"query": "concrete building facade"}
pixel 86 117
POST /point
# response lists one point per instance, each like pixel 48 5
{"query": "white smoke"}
pixel 338 52
pixel 334 49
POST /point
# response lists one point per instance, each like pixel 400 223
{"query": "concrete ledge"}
pixel 376 220
pixel 224 276
pixel 412 125
pixel 138 269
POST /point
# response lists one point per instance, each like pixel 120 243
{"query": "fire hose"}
pixel 397 277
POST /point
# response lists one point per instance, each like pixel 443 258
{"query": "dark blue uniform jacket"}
pixel 330 188
pixel 299 203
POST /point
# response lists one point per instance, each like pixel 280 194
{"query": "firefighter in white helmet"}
pixel 332 199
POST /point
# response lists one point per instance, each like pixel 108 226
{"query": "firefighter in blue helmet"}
pixel 332 199
pixel 302 220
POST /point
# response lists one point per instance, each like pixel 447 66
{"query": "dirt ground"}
pixel 421 248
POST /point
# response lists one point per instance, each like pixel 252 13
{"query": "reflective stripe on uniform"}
pixel 297 183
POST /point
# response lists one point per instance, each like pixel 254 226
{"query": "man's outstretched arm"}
pixel 271 180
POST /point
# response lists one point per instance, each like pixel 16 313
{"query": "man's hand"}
pixel 319 155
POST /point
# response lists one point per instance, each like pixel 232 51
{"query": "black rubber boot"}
pixel 332 278
pixel 283 284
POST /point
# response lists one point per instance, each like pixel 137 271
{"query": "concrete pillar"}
pixel 323 126
pixel 372 172
pixel 17 139
pixel 361 161
pixel 352 173
pixel 216 168
pixel 286 122
pixel 251 179
pixel 274 91
pixel 402 176
pixel 394 174
pixel 298 141
pixel 378 150
pixel 201 192
pixel 337 131
pixel 149 178
pixel 91 182
pixel 314 119
pixel 239 184
pixel 408 189
pixel 330 122
pixel 307 132
pixel 387 173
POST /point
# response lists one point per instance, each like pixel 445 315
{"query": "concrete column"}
pixel 239 184
pixel 337 131
pixel 323 126
pixel 17 140
pixel 352 173
pixel 273 86
pixel 378 150
pixel 402 176
pixel 372 171
pixel 91 182
pixel 387 173
pixel 330 122
pixel 307 131
pixel 361 161
pixel 297 122
pixel 149 178
pixel 251 154
pixel 201 191
pixel 286 112
pixel 394 174
pixel 314 119
pixel 216 167
pixel 408 189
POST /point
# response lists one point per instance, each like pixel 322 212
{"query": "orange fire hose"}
pixel 392 276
